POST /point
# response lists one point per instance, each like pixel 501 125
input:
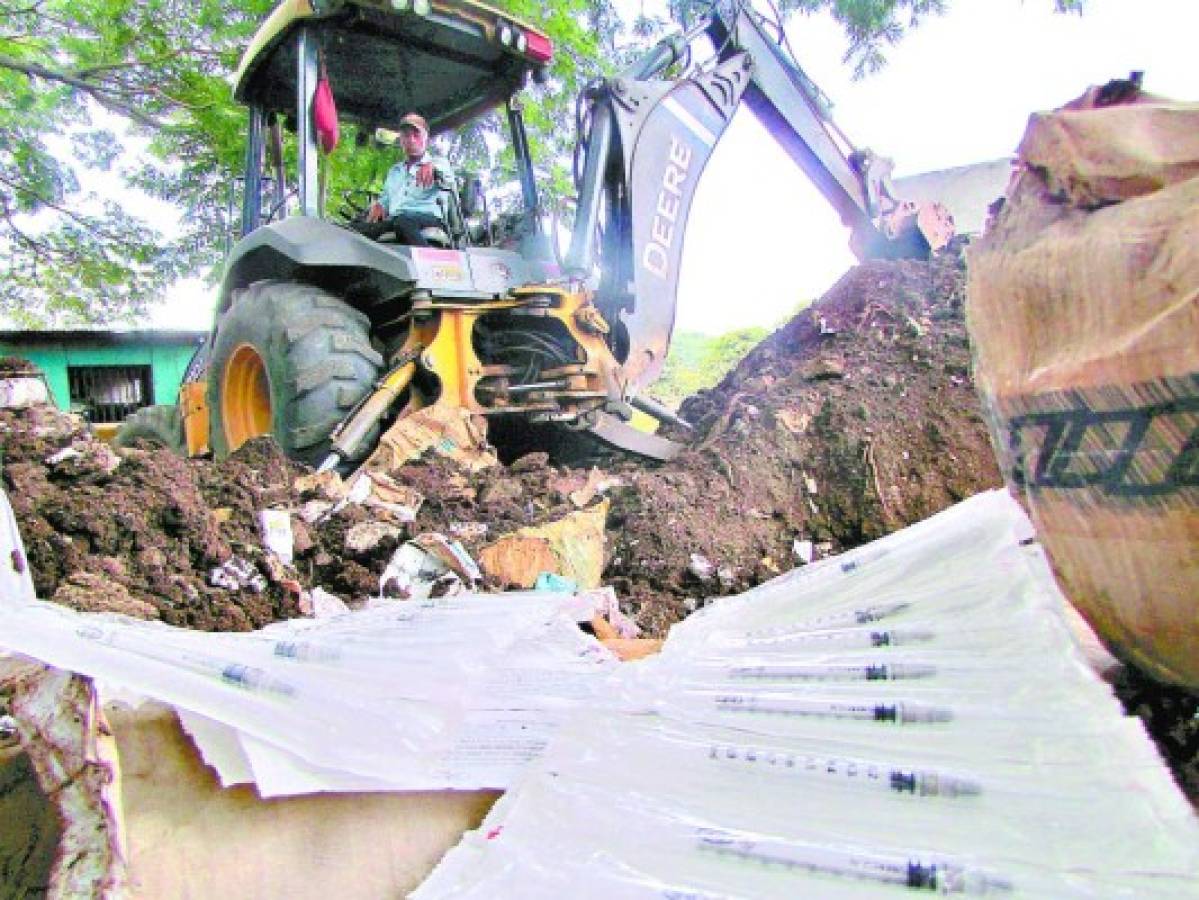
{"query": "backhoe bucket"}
pixel 917 229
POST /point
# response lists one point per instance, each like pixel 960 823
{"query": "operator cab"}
pixel 375 60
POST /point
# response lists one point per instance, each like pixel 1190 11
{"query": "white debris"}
pixel 275 527
pixel 236 574
pixel 452 555
pixel 62 456
pixel 314 510
pixel 414 574
pixel 701 567
pixel 604 603
pixel 727 576
pixel 326 605
pixel 366 536
pixel 468 531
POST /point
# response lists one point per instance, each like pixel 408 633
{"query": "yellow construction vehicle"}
pixel 324 336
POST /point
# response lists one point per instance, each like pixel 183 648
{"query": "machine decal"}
pixel 656 255
pixel 491 275
pixel 443 268
pixel 667 144
pixel 694 125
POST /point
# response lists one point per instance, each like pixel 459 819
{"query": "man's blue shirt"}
pixel 401 193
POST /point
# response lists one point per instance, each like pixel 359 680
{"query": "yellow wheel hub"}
pixel 245 397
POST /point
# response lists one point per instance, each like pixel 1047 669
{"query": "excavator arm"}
pixel 646 146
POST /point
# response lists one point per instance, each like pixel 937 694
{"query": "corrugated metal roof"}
pixel 101 336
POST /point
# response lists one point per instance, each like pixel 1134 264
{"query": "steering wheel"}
pixel 355 203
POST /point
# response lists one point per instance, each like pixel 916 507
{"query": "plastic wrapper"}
pixel 1002 767
pixel 382 697
pixel 22 393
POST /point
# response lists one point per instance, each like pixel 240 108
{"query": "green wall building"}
pixel 105 375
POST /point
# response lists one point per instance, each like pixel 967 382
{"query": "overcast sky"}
pixel 956 91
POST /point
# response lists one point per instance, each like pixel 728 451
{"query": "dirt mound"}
pixel 128 531
pixel 142 532
pixel 856 419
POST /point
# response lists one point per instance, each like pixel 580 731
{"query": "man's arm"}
pixel 379 209
pixel 444 174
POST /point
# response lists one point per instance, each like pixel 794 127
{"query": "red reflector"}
pixel 539 47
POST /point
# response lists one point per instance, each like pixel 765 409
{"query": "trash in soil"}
pixel 449 432
pixel 605 605
pixel 325 605
pixel 397 500
pixel 701 567
pixel 452 555
pixel 366 536
pixel 413 574
pixel 572 547
pixel 275 527
pixel 555 584
pixel 237 574
pixel 66 454
pixel 430 565
pixel 803 551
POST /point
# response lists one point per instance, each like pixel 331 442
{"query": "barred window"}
pixel 107 394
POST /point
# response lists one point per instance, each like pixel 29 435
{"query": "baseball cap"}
pixel 415 120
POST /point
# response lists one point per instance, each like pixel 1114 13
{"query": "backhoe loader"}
pixel 323 337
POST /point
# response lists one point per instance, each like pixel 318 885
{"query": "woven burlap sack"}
pixel 1083 308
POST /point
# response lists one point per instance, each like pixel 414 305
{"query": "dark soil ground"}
pixel 130 530
pixel 857 418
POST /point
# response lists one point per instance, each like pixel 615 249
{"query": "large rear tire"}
pixel 290 360
pixel 159 424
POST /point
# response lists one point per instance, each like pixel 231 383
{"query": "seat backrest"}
pixel 451 213
pixel 470 197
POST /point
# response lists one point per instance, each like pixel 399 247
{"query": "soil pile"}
pixel 857 418
pixel 140 531
pixel 128 531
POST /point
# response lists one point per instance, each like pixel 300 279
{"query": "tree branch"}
pixel 75 217
pixel 39 71
pixel 109 98
pixel 145 63
pixel 25 11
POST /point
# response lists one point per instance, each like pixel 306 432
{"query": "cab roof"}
pixel 451 61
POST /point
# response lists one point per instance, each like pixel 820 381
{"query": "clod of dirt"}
pixel 125 531
pixel 89 592
pixel 15 367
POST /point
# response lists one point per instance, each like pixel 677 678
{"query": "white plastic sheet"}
pixel 404 696
pixel 772 751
